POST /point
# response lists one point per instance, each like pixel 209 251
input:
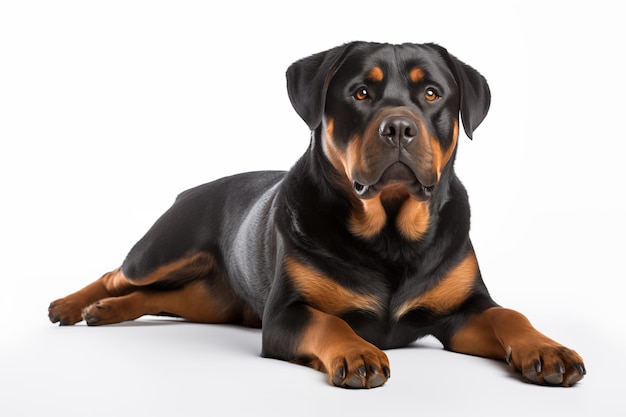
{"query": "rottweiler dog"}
pixel 362 246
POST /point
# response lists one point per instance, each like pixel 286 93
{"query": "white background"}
pixel 109 109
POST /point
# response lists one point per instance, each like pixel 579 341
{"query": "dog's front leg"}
pixel 327 343
pixel 506 334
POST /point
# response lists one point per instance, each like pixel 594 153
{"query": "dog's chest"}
pixel 403 316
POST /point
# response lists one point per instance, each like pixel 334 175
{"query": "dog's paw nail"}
pixel 531 376
pixel 573 379
pixel 559 368
pixel 355 382
pixel 358 380
pixel 537 365
pixel 89 318
pixel 340 375
pixel 554 379
pixel 376 381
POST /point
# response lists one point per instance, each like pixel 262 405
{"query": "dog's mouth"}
pixel 397 173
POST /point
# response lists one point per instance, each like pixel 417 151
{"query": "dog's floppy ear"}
pixel 308 80
pixel 475 95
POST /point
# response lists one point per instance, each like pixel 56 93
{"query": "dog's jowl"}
pixel 362 246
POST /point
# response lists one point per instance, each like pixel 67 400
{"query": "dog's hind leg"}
pixel 68 310
pixel 195 302
pixel 191 287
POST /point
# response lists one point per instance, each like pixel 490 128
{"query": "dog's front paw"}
pixel 360 367
pixel 546 363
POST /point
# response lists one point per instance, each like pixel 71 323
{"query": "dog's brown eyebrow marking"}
pixel 376 74
pixel 325 294
pixel 416 74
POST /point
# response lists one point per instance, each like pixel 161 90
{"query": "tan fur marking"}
pixel 336 156
pixel 376 74
pixel 196 303
pixel 354 159
pixel 339 160
pixel 451 291
pixel 416 74
pixel 369 219
pixel 333 153
pixel 477 336
pixel 441 158
pixel 116 283
pixel 197 264
pixel 325 294
pixel 413 219
pixel 330 127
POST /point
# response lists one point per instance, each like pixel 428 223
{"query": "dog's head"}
pixel 387 116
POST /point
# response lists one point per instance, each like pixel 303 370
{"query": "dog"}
pixel 363 245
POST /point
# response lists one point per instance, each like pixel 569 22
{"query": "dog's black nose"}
pixel 397 130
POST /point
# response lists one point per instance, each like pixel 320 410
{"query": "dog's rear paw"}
pixel 65 311
pixel 109 311
pixel 547 365
pixel 99 313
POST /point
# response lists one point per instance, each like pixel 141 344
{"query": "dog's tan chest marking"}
pixel 449 293
pixel 325 294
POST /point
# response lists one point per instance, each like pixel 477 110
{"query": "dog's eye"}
pixel 361 93
pixel 431 94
